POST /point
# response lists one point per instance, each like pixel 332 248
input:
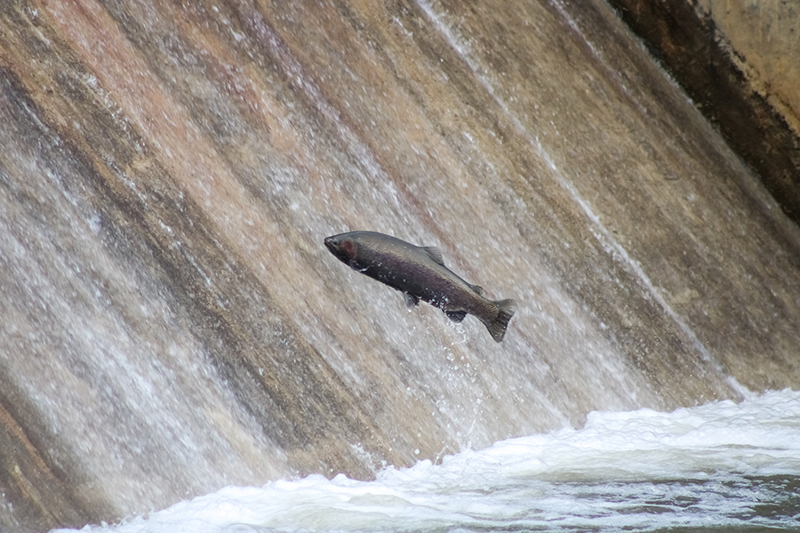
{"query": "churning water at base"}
pixel 721 466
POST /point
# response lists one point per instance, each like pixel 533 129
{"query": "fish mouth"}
pixel 342 247
pixel 331 244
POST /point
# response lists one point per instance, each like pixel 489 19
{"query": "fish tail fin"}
pixel 497 327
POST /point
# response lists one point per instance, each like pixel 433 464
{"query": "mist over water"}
pixel 722 466
pixel 171 323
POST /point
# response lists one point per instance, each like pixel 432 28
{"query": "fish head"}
pixel 342 247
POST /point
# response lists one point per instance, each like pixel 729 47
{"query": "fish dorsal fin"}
pixel 435 254
pixel 411 300
pixel 477 288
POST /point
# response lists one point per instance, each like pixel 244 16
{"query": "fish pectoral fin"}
pixel 435 254
pixel 411 300
pixel 355 266
pixel 456 316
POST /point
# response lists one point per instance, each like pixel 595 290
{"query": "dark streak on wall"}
pixel 688 46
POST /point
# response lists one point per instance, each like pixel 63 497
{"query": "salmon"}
pixel 419 273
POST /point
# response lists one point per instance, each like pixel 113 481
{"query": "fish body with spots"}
pixel 419 273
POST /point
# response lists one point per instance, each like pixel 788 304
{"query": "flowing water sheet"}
pixel 720 466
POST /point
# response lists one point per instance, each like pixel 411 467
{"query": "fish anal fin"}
pixel 456 316
pixel 435 254
pixel 411 300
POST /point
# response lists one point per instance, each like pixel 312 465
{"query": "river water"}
pixel 722 466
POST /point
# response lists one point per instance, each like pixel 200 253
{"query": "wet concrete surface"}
pixel 172 323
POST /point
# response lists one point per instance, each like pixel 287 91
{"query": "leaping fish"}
pixel 420 274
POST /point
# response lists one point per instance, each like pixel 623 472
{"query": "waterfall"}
pixel 172 323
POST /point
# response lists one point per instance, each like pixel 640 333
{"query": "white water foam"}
pixel 722 466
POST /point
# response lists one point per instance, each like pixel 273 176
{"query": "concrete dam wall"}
pixel 171 323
